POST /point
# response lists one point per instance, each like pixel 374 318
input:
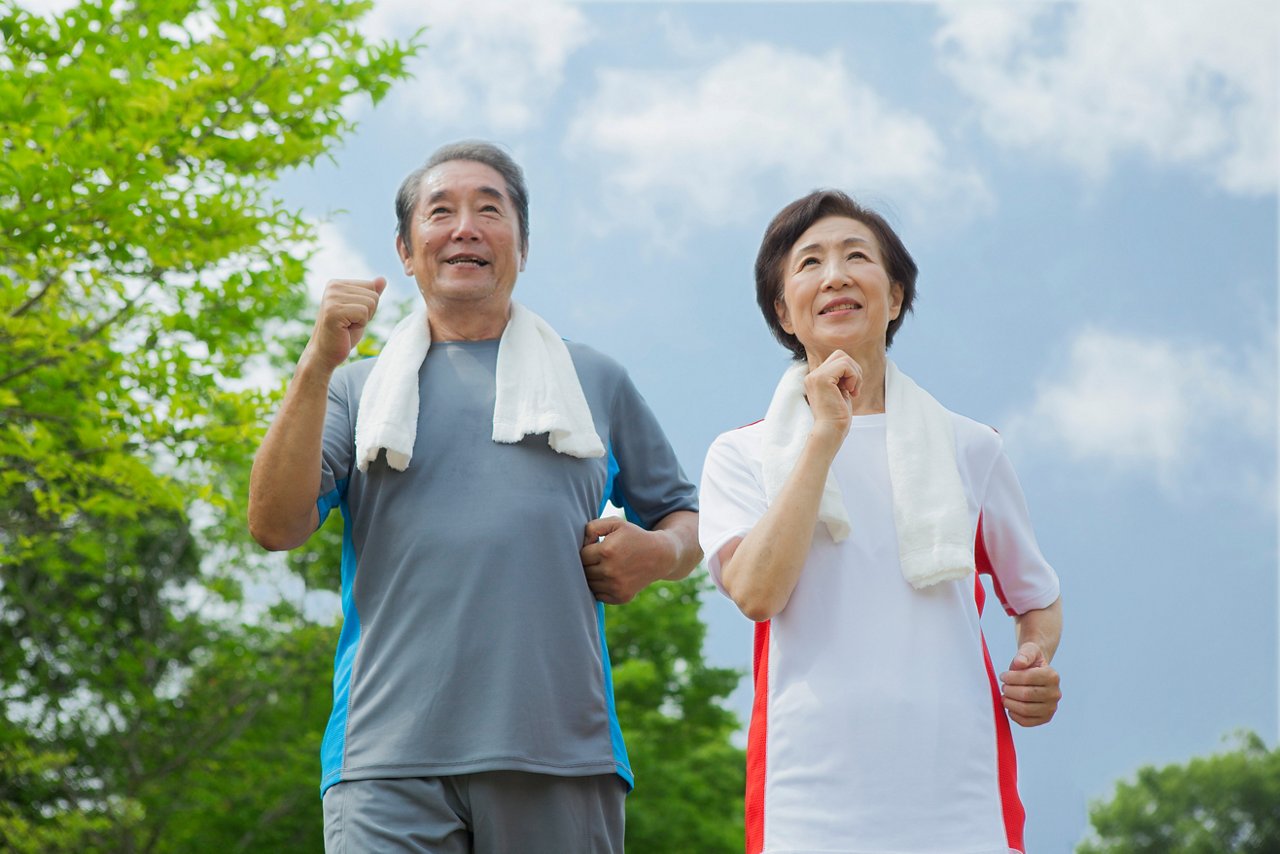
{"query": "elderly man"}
pixel 473 704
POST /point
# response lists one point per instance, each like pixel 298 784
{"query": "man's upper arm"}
pixel 650 482
pixel 337 450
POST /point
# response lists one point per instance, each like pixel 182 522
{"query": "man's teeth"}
pixel 476 261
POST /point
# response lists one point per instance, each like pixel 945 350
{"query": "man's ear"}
pixel 406 257
pixel 784 319
pixel 524 257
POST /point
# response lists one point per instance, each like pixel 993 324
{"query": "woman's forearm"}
pixel 760 571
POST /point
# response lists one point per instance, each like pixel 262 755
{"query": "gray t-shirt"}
pixel 470 641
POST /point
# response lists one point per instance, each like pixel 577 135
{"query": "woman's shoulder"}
pixel 971 432
pixel 740 442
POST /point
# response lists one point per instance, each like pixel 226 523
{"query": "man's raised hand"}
pixel 346 308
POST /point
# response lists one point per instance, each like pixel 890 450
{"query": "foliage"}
pixel 143 264
pixel 689 776
pixel 141 256
pixel 255 788
pixel 1229 802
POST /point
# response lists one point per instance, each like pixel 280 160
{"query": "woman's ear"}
pixel 784 319
pixel 896 295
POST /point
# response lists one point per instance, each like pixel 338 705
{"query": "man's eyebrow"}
pixel 814 247
pixel 484 190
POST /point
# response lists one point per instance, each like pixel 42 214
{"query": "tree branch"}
pixel 45 287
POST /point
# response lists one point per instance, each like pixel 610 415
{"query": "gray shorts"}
pixel 493 812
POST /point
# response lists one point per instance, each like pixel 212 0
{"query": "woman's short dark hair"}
pixel 788 227
pixel 468 149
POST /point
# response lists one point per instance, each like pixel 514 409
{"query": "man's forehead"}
pixel 463 177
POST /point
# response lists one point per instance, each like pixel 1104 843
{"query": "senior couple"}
pixel 473 707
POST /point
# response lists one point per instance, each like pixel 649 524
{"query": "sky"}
pixel 1090 191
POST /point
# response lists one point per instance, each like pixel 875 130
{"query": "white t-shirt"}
pixel 877 725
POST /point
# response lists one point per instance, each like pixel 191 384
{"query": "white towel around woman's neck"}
pixel 537 392
pixel 930 511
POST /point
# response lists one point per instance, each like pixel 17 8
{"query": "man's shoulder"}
pixel 597 370
pixel 588 357
pixel 351 376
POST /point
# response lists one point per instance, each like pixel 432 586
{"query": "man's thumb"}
pixel 380 285
pixel 603 526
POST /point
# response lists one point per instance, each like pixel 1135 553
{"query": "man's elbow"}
pixel 272 536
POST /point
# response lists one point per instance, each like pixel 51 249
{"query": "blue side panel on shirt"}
pixel 620 759
pixel 613 492
pixel 333 747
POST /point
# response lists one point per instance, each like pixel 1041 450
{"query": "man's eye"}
pixel 438 211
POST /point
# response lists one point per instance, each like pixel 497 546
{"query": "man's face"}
pixel 465 238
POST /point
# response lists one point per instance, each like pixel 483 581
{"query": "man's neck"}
pixel 475 323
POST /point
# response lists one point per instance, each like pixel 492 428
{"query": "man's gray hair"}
pixel 475 150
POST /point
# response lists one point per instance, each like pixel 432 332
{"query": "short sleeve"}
pixel 338 445
pixel 649 483
pixel 1023 579
pixel 732 496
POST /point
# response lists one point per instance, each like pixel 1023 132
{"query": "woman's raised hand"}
pixel 831 389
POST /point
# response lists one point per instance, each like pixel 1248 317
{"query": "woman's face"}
pixel 836 293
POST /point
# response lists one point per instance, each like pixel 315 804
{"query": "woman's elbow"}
pixel 756 605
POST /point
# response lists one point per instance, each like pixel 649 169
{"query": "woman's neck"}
pixel 870 399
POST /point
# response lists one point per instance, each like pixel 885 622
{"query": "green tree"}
pixel 689 776
pixel 143 264
pixel 1228 803
pixel 258 787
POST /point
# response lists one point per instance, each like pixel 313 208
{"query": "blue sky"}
pixel 1090 190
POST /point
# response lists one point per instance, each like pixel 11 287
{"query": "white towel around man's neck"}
pixel 930 510
pixel 537 391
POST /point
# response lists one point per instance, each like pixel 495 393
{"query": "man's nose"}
pixel 466 229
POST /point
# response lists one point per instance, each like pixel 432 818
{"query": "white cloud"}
pixel 335 258
pixel 1186 83
pixel 489 63
pixel 1151 405
pixel 692 146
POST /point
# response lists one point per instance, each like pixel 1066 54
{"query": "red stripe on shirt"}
pixel 1015 816
pixel 756 741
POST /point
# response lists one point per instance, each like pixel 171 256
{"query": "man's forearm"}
pixel 682 527
pixel 285 479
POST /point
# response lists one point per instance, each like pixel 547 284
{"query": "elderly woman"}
pixel 851 524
